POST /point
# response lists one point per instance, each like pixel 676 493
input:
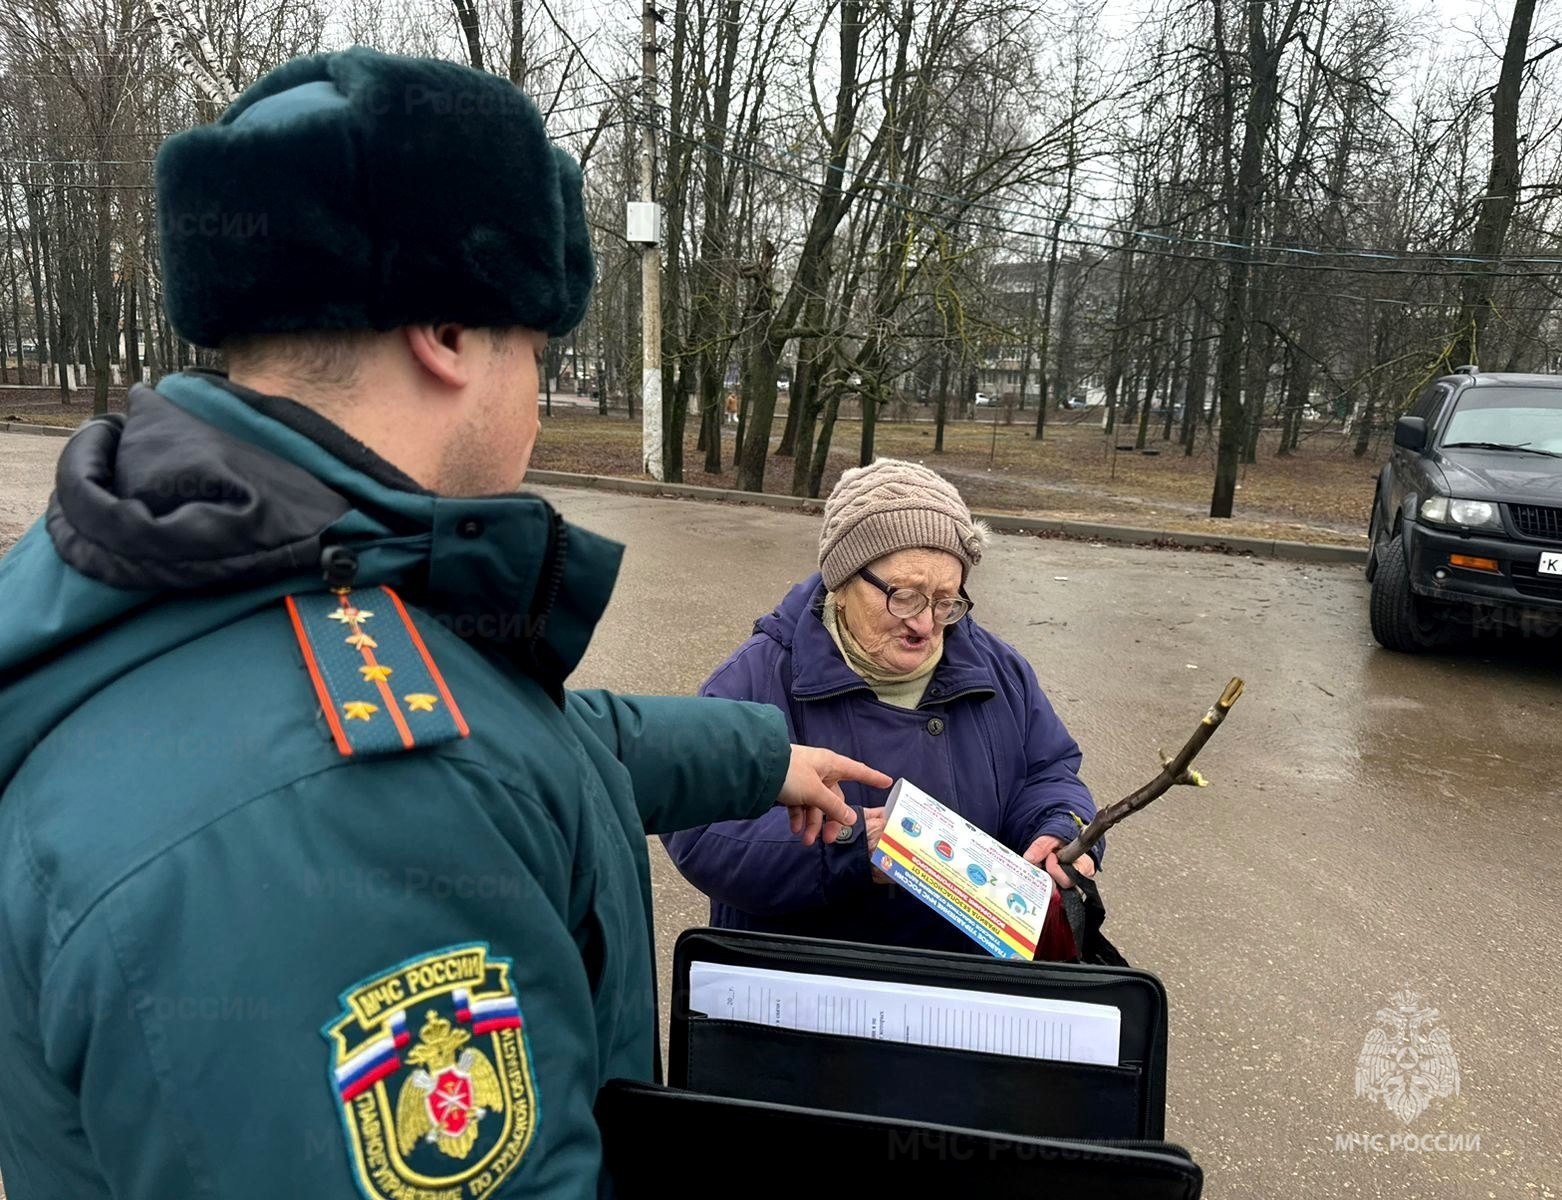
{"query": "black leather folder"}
pixel 1030 1097
pixel 658 1142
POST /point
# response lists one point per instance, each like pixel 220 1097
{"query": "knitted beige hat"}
pixel 894 505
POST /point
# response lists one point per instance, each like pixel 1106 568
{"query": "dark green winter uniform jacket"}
pixel 297 900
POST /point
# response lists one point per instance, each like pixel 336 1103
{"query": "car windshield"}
pixel 1528 417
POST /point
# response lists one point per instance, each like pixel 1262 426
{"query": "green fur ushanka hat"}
pixel 361 190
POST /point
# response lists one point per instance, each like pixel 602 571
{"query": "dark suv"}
pixel 1467 525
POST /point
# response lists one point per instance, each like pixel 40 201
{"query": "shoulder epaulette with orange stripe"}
pixel 377 684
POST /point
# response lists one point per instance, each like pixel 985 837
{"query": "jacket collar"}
pixel 819 671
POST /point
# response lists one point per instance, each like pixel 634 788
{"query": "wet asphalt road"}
pixel 1373 823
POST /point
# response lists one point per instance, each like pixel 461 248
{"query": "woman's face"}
pixel 900 644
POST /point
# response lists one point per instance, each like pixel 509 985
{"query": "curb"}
pixel 673 491
pixel 39 430
pixel 999 522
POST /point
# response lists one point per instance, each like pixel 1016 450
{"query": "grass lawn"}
pixel 1320 494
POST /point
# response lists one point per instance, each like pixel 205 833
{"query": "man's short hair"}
pixel 327 359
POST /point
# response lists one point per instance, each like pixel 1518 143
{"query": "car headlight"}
pixel 1468 514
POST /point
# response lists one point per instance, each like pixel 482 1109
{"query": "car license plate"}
pixel 1551 564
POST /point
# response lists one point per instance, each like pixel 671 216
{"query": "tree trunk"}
pixel 1364 425
pixel 132 332
pixel 1117 346
pixel 805 399
pixel 810 274
pixel 868 399
pixel 943 404
pixel 43 317
pixel 1297 385
pixel 1152 379
pixel 1028 334
pixel 466 13
pixel 165 338
pixel 711 416
pixel 1114 380
pixel 759 380
pixel 789 430
pixel 1043 352
pixel 674 197
pixel 517 64
pixel 1502 189
pixel 1198 380
pixel 1260 360
pixel 832 406
pixel 1170 405
pixel 1263 59
pixel 15 246
pixel 1065 356
pixel 53 275
pixel 706 331
pixel 13 241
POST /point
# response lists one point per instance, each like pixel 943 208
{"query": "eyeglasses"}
pixel 905 602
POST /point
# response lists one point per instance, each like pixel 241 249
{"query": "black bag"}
pixel 1083 907
pixel 657 1142
pixel 1028 1097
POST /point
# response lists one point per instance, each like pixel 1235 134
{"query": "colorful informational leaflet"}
pixel 973 881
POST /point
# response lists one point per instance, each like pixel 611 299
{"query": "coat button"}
pixel 935 726
pixel 470 528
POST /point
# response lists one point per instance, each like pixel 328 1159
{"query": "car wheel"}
pixel 1372 546
pixel 1401 620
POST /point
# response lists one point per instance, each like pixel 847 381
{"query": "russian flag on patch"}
pixel 370 1065
pixel 463 1002
pixel 398 1028
pixel 502 1012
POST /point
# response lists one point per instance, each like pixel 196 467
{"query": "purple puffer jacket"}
pixel 984 741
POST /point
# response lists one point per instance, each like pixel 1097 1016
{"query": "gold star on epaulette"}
pixel 420 702
pixel 362 641
pixel 349 615
pixel 359 710
pixel 375 673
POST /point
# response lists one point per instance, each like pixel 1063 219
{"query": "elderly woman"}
pixel 877 657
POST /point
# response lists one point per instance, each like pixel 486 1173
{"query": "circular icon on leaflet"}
pixel 1017 904
pixel 910 826
pixel 944 851
pixel 976 875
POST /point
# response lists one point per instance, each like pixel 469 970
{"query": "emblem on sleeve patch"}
pixel 431 1067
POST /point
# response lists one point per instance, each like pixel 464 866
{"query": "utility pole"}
pixel 650 259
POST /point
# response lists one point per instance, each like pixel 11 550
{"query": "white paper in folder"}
pixel 914 1014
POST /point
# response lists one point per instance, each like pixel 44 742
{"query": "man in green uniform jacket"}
pixel 315 881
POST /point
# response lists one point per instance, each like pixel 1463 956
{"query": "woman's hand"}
pixel 873 819
pixel 874 827
pixel 1044 853
pixel 812 791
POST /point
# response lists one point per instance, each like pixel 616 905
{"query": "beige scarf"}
pixel 901 691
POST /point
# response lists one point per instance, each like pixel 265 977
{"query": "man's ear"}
pixel 444 351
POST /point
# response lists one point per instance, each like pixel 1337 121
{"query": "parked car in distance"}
pixel 1466 525
pixel 983 400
